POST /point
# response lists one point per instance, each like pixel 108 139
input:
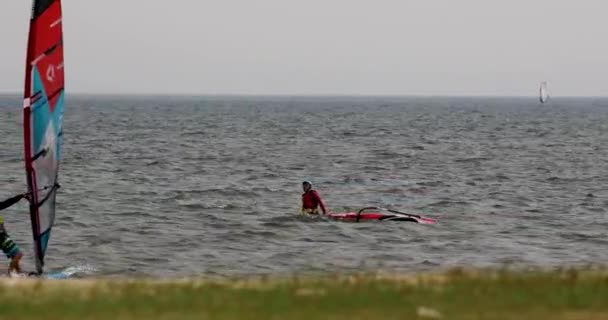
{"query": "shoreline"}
pixel 453 294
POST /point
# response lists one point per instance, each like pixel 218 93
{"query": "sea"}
pixel 173 186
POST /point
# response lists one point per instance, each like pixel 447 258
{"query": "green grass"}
pixel 457 294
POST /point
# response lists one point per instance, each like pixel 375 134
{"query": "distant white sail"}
pixel 544 93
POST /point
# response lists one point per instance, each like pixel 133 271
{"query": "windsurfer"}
pixel 8 246
pixel 311 201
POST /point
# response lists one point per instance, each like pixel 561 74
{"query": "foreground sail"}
pixel 42 118
pixel 543 94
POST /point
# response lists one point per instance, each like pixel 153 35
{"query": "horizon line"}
pixel 303 95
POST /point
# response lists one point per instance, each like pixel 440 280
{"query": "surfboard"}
pixel 63 274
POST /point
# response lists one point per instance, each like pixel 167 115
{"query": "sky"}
pixel 322 47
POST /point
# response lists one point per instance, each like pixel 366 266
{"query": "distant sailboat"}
pixel 543 94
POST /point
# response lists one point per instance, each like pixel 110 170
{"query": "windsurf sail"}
pixel 544 93
pixel 42 118
pixel 380 214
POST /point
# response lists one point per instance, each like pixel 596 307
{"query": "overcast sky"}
pixel 400 47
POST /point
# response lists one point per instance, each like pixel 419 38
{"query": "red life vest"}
pixel 310 200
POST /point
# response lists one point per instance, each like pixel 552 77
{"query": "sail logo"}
pixel 50 73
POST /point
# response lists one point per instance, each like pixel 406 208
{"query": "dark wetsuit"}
pixel 311 201
pixel 7 245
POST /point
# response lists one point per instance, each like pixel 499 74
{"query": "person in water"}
pixel 311 201
pixel 8 246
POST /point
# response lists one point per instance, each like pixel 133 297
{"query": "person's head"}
pixel 306 185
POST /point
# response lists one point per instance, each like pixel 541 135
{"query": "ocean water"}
pixel 181 186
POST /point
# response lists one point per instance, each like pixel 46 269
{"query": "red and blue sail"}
pixel 42 118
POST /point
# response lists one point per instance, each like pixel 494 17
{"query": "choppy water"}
pixel 167 186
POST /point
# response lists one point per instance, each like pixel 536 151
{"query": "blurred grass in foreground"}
pixel 456 294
